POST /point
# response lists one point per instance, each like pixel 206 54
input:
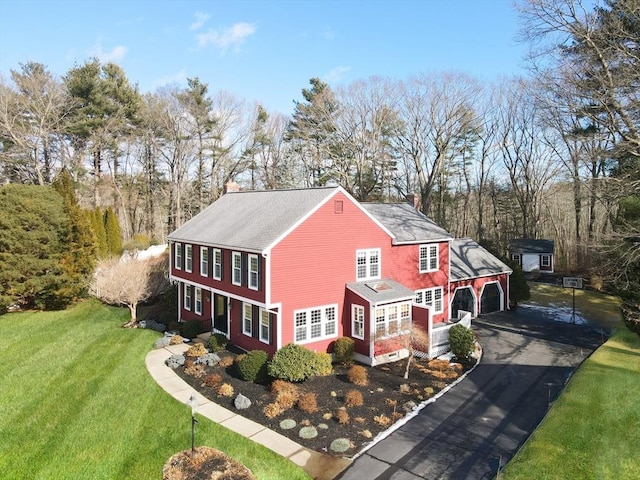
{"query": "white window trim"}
pixel 429 248
pixel 188 300
pixel 235 270
pixel 251 273
pixel 398 320
pixel 264 312
pixel 544 258
pixel 369 253
pixel 357 317
pixel 188 260
pixel 198 301
pixel 247 331
pixel 177 256
pixel 432 304
pixel 323 324
pixel 516 257
pixel 204 266
pixel 217 267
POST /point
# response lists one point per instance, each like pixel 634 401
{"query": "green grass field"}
pixel 76 402
pixel 593 429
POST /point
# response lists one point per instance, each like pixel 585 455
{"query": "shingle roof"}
pixel 527 245
pixel 406 223
pixel 381 291
pixel 251 220
pixel 470 260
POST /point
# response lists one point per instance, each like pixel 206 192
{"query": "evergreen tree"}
pixel 79 256
pixel 518 286
pixel 33 224
pixel 112 233
pixel 97 223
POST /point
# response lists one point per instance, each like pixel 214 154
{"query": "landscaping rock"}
pixel 162 342
pixel 152 325
pixel 175 361
pixel 208 359
pixel 241 402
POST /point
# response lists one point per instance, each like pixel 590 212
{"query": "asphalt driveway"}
pixel 481 423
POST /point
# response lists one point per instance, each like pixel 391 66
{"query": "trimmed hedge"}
pixel 218 342
pixel 192 328
pixel 293 363
pixel 252 367
pixel 343 350
pixel 462 341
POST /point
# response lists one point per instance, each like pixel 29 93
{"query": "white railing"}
pixel 440 335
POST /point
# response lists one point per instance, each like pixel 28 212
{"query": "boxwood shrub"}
pixel 252 367
pixel 293 363
pixel 343 350
pixel 462 341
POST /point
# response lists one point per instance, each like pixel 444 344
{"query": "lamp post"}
pixel 193 403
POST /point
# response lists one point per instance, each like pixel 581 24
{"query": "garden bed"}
pixel 339 425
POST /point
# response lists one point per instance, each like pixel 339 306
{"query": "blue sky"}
pixel 263 50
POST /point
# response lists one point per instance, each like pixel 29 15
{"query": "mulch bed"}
pixel 388 397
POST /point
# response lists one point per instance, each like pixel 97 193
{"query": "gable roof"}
pixel 251 220
pixel 406 223
pixel 527 245
pixel 470 260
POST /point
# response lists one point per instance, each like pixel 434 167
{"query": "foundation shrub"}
pixel 218 342
pixel 343 350
pixel 252 367
pixel 192 328
pixel 358 375
pixel 323 364
pixel 353 398
pixel 293 363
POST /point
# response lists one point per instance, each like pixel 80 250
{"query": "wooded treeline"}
pixel 553 155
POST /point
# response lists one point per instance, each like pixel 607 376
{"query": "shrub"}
pixel 192 328
pixel 353 398
pixel 342 416
pixel 212 380
pixel 308 402
pixel 225 390
pixel 226 361
pixel 358 375
pixel 288 424
pixel 462 341
pixel 382 420
pixel 293 363
pixel 196 350
pixel 174 326
pixel 323 364
pixel 278 386
pixel 308 432
pixel 194 369
pixel 344 350
pixel 218 342
pixel 176 340
pixel 252 367
pixel 286 399
pixel 340 445
pixel 272 410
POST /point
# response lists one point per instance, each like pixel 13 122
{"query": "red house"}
pixel 268 268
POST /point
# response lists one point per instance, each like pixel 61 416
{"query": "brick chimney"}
pixel 414 199
pixel 231 187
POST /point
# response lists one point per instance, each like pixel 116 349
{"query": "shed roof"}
pixel 528 245
pixel 406 223
pixel 381 291
pixel 251 220
pixel 470 260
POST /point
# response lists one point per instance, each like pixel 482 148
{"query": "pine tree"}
pixel 112 231
pixel 79 258
pixel 518 287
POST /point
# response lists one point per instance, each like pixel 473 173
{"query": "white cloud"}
pixel 200 19
pixel 233 36
pixel 177 78
pixel 115 55
pixel 336 74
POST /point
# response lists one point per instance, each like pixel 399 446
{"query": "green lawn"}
pixel 76 402
pixel 593 430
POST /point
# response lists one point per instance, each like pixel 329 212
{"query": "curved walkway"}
pixel 318 465
pixel 477 427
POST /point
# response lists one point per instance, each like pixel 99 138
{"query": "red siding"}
pixel 360 346
pixel 312 265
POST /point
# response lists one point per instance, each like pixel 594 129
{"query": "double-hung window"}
pixel 315 323
pixel 431 297
pixel 516 258
pixel 252 265
pixel 204 261
pixel 247 319
pixel 177 256
pixel 217 264
pixel 265 326
pixel 187 297
pixel 428 258
pixel 357 321
pixel 368 264
pixel 236 268
pixel 188 253
pixel 198 308
pixel 545 260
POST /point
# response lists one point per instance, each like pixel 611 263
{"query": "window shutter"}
pixel 210 261
pixel 243 273
pixel 255 322
pixel 271 327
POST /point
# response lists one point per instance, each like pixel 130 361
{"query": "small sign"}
pixel 572 282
